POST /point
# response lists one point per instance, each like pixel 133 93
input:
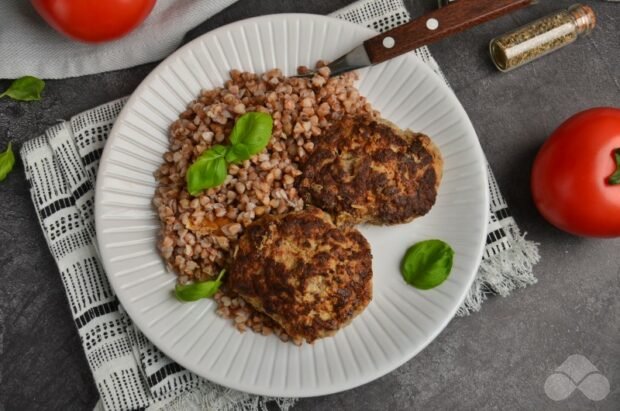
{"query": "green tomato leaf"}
pixel 26 88
pixel 209 170
pixel 7 161
pixel 252 131
pixel 427 264
pixel 197 291
pixel 614 179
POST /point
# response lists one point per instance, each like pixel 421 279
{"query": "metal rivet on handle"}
pixel 389 42
pixel 432 24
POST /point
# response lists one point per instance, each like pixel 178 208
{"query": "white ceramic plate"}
pixel 399 322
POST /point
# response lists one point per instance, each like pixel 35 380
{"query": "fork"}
pixel 456 17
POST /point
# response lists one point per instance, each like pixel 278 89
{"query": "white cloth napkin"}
pixel 29 46
pixel 129 371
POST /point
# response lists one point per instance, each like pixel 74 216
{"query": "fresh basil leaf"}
pixel 427 264
pixel 214 152
pixel 238 153
pixel 249 136
pixel 7 161
pixel 26 88
pixel 197 291
pixel 252 131
pixel 209 170
pixel 220 171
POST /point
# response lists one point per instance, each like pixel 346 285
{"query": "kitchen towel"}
pixel 34 48
pixel 130 372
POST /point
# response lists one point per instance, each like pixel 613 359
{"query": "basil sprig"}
pixel 25 88
pixel 7 161
pixel 209 170
pixel 427 264
pixel 197 291
pixel 249 136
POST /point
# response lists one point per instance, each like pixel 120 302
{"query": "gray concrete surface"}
pixel 498 358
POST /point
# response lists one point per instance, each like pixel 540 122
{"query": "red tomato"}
pixel 94 21
pixel 571 182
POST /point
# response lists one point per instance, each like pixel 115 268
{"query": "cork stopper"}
pixel 584 16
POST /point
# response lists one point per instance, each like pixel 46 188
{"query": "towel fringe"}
pixel 209 396
pixel 504 272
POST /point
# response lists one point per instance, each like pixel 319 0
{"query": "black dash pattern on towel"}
pixel 61 167
pixel 62 192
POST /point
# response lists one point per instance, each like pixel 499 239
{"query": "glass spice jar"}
pixel 541 37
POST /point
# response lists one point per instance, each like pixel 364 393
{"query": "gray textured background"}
pixel 496 359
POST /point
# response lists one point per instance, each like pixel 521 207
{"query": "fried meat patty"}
pixel 364 170
pixel 304 272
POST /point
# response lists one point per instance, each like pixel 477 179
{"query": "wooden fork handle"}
pixel 436 25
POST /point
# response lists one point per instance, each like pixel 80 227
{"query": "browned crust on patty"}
pixel 369 171
pixel 301 270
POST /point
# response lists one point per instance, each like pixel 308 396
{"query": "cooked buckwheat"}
pixel 199 233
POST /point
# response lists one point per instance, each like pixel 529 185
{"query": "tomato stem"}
pixel 614 179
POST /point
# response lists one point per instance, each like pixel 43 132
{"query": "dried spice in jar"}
pixel 541 37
